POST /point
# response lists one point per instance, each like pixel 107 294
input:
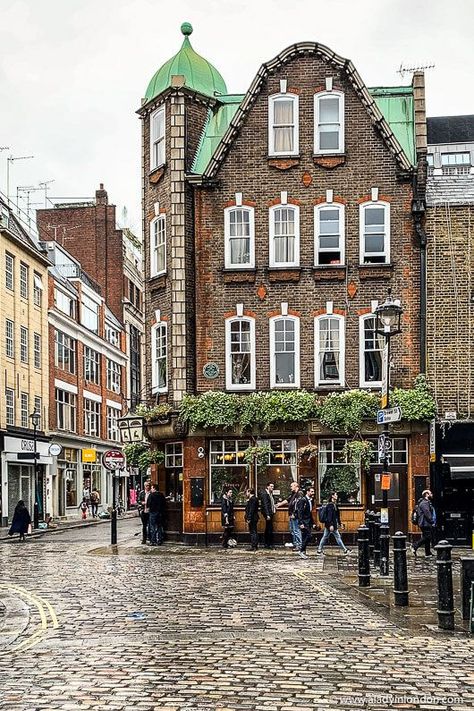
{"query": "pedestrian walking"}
pixel 426 516
pixel 95 501
pixel 21 521
pixel 329 514
pixel 142 509
pixel 304 518
pixel 156 510
pixel 84 508
pixel 251 517
pixel 291 502
pixel 227 516
pixel 268 510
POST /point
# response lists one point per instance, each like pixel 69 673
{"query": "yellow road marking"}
pixel 42 606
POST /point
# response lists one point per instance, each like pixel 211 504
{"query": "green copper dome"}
pixel 199 74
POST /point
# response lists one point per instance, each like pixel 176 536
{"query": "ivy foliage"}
pixel 140 455
pixel 345 412
pixel 417 404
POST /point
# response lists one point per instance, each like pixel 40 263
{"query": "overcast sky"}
pixel 72 72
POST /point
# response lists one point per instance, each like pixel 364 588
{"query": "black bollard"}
pixel 384 548
pixel 377 540
pixel 445 586
pixel 400 575
pixel 113 527
pixel 370 526
pixel 364 560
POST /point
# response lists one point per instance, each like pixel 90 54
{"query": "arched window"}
pixel 240 353
pixel 374 223
pixel 284 352
pixel 370 352
pixel 283 138
pixel 284 236
pixel 159 357
pixel 239 230
pixel 329 122
pixel 329 233
pixel 329 338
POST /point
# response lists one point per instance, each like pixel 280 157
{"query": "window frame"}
pixel 222 455
pixel 86 308
pixel 155 386
pixel 321 95
pixel 272 100
pixel 96 361
pixel 228 239
pixel 155 141
pixel 24 281
pixel 386 253
pixel 92 413
pixel 317 233
pixel 61 296
pixel 228 355
pixel 273 383
pixel 24 345
pixel 342 349
pixel 37 289
pixel 155 245
pixel 9 338
pixel 112 416
pixel 68 402
pixel 10 407
pixel 271 214
pixel 114 376
pixel 24 410
pixel 37 350
pixel 376 384
pixel 9 271
pixel 63 343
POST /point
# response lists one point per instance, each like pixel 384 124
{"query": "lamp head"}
pixel 35 418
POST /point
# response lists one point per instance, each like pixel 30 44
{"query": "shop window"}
pixel 174 470
pixel 335 473
pixel 91 478
pixel 228 469
pixel 281 469
pixel 67 465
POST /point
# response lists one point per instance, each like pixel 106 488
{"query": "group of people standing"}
pixel 300 518
pixel 152 510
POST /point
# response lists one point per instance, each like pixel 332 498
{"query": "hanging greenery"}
pixel 210 410
pixel 258 454
pixel 156 412
pixel 140 455
pixel 345 412
pixel 417 404
pixel 359 452
pixel 307 453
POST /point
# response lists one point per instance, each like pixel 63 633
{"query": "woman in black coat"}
pixel 227 516
pixel 21 521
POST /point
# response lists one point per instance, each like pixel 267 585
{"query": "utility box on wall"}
pixel 197 491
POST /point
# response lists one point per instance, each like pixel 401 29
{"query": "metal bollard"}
pixel 377 540
pixel 384 549
pixel 113 527
pixel 364 560
pixel 370 526
pixel 400 575
pixel 445 586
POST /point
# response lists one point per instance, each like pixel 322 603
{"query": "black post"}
pixel 370 525
pixel 364 560
pixel 113 519
pixel 35 469
pixel 445 586
pixel 377 540
pixel 400 575
pixel 385 529
pixel 384 549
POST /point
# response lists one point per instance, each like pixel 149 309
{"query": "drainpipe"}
pixel 418 211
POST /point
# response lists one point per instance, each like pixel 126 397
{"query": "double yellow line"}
pixel 44 608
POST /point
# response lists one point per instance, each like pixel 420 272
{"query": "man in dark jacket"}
pixel 332 521
pixel 143 509
pixel 268 510
pixel 427 523
pixel 227 516
pixel 156 503
pixel 291 502
pixel 251 517
pixel 304 516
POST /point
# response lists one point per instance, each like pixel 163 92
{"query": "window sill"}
pixel 158 280
pixel 156 174
pixel 329 160
pixel 328 388
pixel 283 162
pixel 375 271
pixel 329 272
pixel 284 274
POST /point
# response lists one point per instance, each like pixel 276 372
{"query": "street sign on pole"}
pixel 113 459
pixel 393 414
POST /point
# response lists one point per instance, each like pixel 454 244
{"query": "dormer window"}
pixel 283 139
pixel 329 122
pixel 157 138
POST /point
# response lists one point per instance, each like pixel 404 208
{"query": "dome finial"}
pixel 187 29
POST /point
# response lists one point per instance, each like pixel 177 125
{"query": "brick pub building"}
pixel 274 223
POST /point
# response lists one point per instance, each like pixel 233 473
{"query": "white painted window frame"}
pixel 342 349
pixel 157 139
pixel 155 233
pixel 227 238
pixel 271 111
pixel 273 383
pixel 271 220
pixel 374 384
pixel 228 355
pixel 342 232
pixel 386 253
pixel 317 98
pixel 154 359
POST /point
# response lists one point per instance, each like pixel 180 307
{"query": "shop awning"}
pixel 461 466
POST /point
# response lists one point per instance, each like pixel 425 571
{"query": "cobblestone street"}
pixel 220 630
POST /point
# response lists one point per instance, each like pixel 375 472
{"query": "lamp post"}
pixel 388 316
pixel 35 418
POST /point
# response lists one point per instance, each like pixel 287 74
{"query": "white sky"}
pixel 72 72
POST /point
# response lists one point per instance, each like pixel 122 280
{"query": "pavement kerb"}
pixel 63 526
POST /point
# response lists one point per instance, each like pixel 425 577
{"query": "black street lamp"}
pixel 35 418
pixel 388 316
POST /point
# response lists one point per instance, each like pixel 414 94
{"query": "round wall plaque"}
pixel 210 371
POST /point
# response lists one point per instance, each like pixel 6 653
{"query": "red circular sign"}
pixel 113 459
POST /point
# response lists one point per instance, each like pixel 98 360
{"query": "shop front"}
pixel 18 476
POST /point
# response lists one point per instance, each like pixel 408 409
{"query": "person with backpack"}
pixel 426 519
pixel 304 516
pixel 330 516
pixel 291 501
